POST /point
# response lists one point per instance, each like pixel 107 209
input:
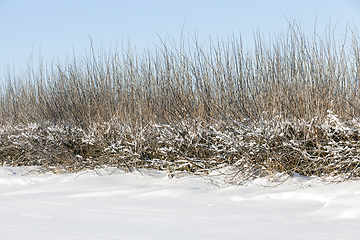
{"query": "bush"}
pixel 289 107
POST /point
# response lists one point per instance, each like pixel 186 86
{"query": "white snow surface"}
pixel 109 204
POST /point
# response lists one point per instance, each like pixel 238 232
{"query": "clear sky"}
pixel 56 29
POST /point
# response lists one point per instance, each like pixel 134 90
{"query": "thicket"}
pixel 289 106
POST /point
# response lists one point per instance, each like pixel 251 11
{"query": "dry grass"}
pixel 291 106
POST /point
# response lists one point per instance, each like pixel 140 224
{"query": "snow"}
pixel 109 204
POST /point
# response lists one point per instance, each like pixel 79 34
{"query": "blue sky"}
pixel 57 29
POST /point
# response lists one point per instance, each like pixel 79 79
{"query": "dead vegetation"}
pixel 289 107
pixel 314 148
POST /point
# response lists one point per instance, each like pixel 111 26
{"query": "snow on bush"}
pixel 235 150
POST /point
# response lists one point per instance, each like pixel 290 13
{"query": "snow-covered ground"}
pixel 115 205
